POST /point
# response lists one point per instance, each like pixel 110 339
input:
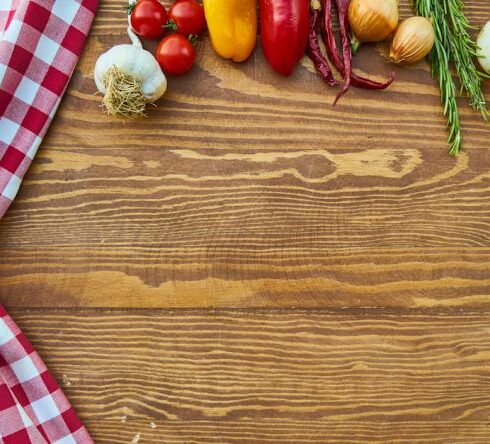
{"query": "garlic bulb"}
pixel 413 40
pixel 129 77
pixel 483 43
pixel 373 20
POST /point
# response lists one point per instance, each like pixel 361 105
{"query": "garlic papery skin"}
pixel 413 40
pixel 134 61
pixel 373 20
pixel 483 43
pixel 141 69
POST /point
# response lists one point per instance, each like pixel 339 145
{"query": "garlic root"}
pixel 123 97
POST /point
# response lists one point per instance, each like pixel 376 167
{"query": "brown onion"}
pixel 373 20
pixel 412 41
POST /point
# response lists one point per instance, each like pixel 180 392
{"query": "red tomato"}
pixel 176 54
pixel 148 19
pixel 187 17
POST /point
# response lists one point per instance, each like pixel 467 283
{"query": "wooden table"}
pixel 250 264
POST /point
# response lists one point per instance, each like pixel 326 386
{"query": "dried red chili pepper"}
pixel 334 57
pixel 364 83
pixel 343 12
pixel 329 37
pixel 314 52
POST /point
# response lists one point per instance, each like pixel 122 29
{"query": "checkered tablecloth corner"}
pixel 33 409
pixel 40 43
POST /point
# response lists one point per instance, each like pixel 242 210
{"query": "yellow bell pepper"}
pixel 232 26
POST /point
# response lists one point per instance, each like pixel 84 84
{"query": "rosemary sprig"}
pixel 453 44
pixel 463 49
pixel 439 62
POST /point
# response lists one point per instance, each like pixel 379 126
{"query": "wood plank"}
pixel 293 431
pixel 272 375
pixel 240 277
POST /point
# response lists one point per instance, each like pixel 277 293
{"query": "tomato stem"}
pixel 170 26
pixel 129 8
pixel 193 39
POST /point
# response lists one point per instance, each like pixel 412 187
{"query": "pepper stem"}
pixel 354 44
pixel 315 5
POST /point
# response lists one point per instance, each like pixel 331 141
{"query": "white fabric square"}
pixel 24 369
pixel 45 408
pixel 8 130
pixel 66 440
pixel 5 333
pixel 46 49
pixel 10 191
pixel 27 90
pixel 66 10
pixel 12 33
pixel 6 5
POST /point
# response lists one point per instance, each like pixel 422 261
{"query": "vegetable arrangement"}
pixel 343 65
pixel 129 77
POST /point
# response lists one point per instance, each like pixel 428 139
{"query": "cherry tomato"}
pixel 187 17
pixel 176 54
pixel 148 19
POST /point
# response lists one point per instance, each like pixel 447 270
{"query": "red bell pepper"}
pixel 284 28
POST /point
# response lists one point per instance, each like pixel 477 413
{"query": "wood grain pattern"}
pixel 357 252
pixel 360 278
pixel 219 192
pixel 271 376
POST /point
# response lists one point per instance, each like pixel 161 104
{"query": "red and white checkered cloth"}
pixel 33 409
pixel 40 43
